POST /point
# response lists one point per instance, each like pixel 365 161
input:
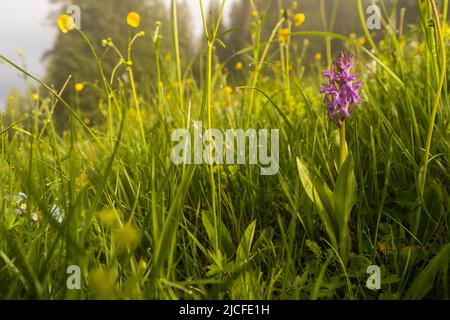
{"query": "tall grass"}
pixel 141 227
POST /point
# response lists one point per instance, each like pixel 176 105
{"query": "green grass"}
pixel 141 227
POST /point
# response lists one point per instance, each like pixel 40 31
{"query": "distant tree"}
pixel 70 54
pixel 240 20
pixel 270 11
pixel 186 30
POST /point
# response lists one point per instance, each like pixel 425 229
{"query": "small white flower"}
pixel 20 197
pixel 34 216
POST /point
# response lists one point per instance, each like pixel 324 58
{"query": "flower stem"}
pixel 211 40
pixel 177 52
pixel 133 89
pixel 138 108
pixel 211 169
pixel 343 144
pixel 258 67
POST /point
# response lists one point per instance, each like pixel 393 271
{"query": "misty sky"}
pixel 24 25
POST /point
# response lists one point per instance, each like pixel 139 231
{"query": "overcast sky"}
pixel 24 26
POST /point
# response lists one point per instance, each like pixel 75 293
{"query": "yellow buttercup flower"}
pixel 284 32
pixel 362 41
pixel 108 217
pixel 239 66
pixel 228 90
pixel 66 23
pixel 254 13
pixel 318 56
pixel 134 19
pixel 299 19
pixel 168 57
pixel 79 87
pixel 127 238
pixel 101 282
pixel 35 97
pixel 284 35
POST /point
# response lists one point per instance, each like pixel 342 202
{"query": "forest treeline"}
pixel 101 20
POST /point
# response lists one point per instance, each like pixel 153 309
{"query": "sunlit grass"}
pixel 107 197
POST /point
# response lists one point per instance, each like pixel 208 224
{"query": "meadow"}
pixel 107 197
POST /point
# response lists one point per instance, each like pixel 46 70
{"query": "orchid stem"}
pixel 343 143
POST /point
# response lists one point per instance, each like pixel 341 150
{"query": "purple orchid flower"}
pixel 341 91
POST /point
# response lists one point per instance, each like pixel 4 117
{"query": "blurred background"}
pixel 29 35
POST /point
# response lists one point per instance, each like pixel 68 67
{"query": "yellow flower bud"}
pixel 142 265
pixel 79 87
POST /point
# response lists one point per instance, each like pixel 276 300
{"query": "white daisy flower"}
pixel 34 216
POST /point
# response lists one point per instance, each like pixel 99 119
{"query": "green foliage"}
pixel 334 208
pixel 107 197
